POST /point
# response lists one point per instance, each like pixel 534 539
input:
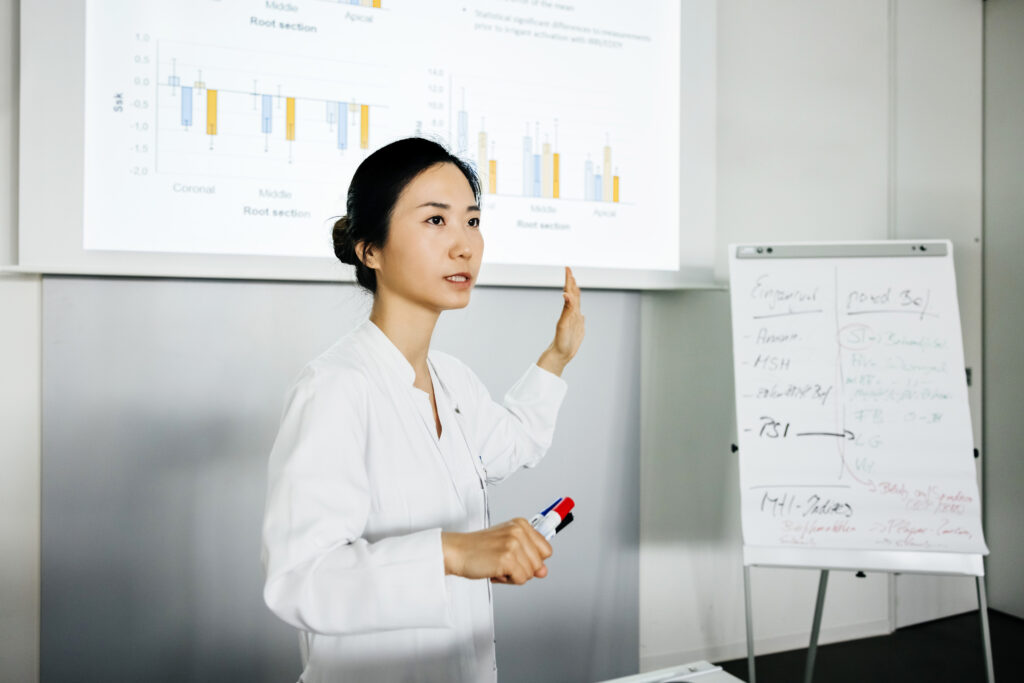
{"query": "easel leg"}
pixel 750 626
pixel 812 647
pixel 990 674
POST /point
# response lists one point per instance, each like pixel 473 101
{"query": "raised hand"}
pixel 569 330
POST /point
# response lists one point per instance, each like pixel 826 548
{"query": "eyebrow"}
pixel 446 207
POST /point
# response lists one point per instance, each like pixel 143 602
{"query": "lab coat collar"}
pixel 385 350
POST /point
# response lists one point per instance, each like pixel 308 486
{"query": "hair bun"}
pixel 344 245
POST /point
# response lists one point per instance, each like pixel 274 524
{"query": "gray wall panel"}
pixel 1004 316
pixel 161 399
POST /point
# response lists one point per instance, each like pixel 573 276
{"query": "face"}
pixel 432 254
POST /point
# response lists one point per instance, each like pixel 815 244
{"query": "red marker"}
pixel 549 524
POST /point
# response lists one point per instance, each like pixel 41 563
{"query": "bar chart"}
pixel 244 125
pixel 230 113
pixel 540 164
pixel 601 182
pixel 263 110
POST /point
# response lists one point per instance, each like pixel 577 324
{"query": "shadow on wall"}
pixel 151 561
pixel 161 400
pixel 690 475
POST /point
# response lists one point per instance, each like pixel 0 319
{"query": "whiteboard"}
pixel 851 400
pixel 203 138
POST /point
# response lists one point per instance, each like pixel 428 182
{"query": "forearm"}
pixel 362 587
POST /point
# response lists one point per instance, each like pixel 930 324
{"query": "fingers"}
pixel 571 291
pixel 524 553
pixel 537 547
pixel 528 549
pixel 571 321
pixel 570 281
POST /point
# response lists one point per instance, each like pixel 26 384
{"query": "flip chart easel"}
pixel 854 429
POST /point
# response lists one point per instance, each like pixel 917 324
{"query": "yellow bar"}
pixel 606 177
pixel 211 112
pixel 352 107
pixel 555 180
pixel 481 155
pixel 366 3
pixel 492 177
pixel 364 126
pixel 289 118
pixel 376 3
pixel 615 189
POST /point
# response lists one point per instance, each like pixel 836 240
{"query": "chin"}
pixel 456 301
pixel 461 302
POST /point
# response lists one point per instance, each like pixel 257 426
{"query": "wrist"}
pixel 449 542
pixel 552 361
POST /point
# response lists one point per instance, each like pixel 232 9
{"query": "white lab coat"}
pixel 360 488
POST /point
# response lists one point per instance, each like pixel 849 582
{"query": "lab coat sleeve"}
pixel 321 576
pixel 518 432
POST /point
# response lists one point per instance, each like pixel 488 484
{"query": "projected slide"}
pixel 233 127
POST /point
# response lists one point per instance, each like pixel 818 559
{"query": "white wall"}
pixel 19 398
pixel 937 192
pixel 1004 316
pixel 8 131
pixel 838 120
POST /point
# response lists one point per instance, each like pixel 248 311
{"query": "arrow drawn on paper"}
pixel 845 434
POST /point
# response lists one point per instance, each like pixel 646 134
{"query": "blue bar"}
pixel 588 180
pixel 527 166
pixel 536 175
pixel 342 125
pixel 173 80
pixel 597 187
pixel 266 116
pixel 186 105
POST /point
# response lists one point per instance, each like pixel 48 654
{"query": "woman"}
pixel 376 540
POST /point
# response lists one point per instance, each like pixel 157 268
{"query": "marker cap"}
pixel 564 507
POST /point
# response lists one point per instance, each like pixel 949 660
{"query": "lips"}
pixel 458 277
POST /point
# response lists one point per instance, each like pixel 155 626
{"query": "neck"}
pixel 408 326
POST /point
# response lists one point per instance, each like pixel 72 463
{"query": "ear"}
pixel 367 254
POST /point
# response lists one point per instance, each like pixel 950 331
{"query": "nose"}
pixel 462 246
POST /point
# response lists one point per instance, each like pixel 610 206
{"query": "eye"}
pixel 436 220
pixel 474 222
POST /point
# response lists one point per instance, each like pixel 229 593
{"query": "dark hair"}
pixel 374 190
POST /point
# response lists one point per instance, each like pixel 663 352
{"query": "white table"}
pixel 698 672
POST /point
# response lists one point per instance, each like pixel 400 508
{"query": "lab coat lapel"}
pixel 458 424
pixel 397 376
